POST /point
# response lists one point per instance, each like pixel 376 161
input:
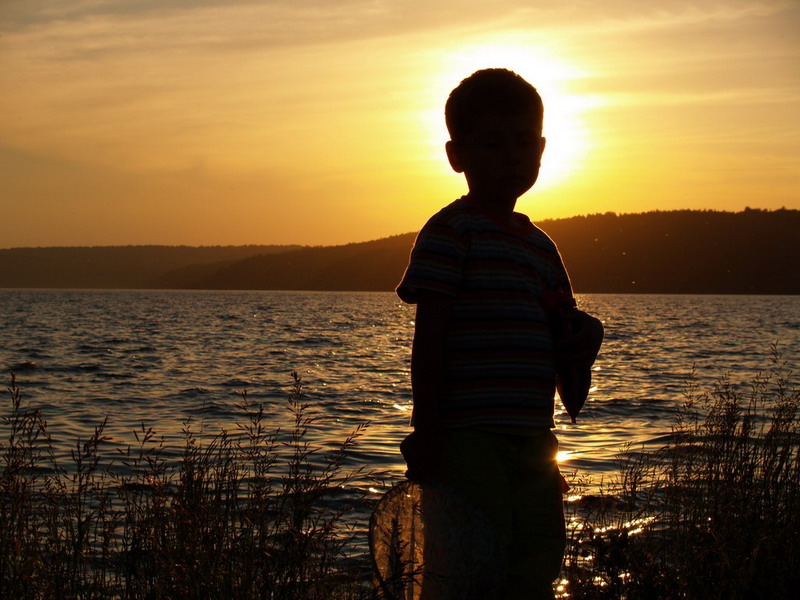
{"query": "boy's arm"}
pixel 427 358
pixel 422 447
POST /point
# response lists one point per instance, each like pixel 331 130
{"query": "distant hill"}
pixel 691 252
pixel 711 252
pixel 115 267
pixel 368 266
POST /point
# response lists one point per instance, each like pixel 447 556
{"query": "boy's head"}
pixel 489 91
pixel 495 121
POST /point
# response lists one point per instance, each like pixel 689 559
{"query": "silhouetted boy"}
pixel 495 321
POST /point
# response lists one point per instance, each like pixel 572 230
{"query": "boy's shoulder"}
pixel 459 214
pixel 465 218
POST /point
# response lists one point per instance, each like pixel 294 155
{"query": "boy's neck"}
pixel 501 209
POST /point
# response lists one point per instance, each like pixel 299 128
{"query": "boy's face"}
pixel 500 155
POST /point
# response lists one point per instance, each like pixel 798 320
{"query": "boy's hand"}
pixel 581 347
pixel 421 450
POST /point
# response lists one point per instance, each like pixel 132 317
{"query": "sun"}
pixel 564 113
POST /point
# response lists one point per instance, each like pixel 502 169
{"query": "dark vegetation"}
pixel 247 514
pixel 699 252
pixel 715 513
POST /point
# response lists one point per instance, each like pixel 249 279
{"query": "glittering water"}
pixel 164 357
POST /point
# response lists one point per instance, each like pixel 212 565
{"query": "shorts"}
pixel 515 480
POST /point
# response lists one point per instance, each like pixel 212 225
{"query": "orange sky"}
pixel 319 122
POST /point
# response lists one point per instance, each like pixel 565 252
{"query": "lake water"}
pixel 165 357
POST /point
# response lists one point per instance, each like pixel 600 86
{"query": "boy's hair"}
pixel 489 91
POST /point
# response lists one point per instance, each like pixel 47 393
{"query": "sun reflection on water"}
pixel 565 455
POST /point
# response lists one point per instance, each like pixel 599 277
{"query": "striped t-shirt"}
pixel 499 365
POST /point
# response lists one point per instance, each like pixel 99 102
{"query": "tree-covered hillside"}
pixel 710 252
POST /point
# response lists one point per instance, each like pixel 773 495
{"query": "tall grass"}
pixel 247 514
pixel 713 514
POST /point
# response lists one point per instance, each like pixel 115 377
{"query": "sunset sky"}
pixel 321 121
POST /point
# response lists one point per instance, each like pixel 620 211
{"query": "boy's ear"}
pixel 452 156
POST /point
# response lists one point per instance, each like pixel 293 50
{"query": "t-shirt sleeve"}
pixel 436 263
pixel 562 278
pixel 556 278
